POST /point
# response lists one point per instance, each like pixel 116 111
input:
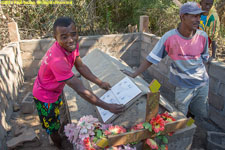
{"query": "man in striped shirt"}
pixel 187 47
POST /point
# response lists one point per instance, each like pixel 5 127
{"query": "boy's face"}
pixel 206 5
pixel 67 37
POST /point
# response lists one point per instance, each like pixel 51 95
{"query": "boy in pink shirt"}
pixel 56 71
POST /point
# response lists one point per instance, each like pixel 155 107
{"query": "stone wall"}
pixel 124 46
pixel 216 71
pixel 10 82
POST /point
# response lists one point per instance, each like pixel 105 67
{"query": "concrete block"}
pixel 34 64
pixel 213 84
pixel 143 24
pixel 163 68
pixel 146 38
pixel 27 56
pixel 145 46
pixel 38 54
pixel 83 51
pixel 182 139
pixel 30 45
pixel 45 44
pixel 217 116
pixel 143 55
pixel 119 38
pixel 88 42
pixel 19 130
pixel 14 35
pixel 155 40
pixel 156 75
pixel 221 89
pixel 216 140
pixel 16 107
pixel 168 85
pixel 27 105
pixel 216 101
pixel 217 70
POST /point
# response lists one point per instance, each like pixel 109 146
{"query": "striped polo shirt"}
pixel 187 54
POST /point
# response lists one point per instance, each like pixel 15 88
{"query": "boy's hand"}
pixel 116 108
pixel 105 85
pixel 130 74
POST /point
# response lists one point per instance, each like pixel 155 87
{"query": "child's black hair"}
pixel 62 22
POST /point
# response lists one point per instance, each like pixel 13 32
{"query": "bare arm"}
pixel 144 65
pixel 77 86
pixel 86 72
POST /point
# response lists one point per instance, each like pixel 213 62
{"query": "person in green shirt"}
pixel 210 23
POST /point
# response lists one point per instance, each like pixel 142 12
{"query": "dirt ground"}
pixel 32 120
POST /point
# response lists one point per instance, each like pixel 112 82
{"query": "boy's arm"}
pixel 144 65
pixel 86 72
pixel 77 86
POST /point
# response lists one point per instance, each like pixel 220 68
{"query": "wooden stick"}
pixel 135 136
pixel 152 105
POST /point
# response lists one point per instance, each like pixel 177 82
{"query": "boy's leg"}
pixel 49 118
pixel 63 114
pixel 183 97
pixel 199 104
pixel 56 139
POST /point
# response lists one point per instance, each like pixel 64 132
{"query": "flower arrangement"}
pixel 89 131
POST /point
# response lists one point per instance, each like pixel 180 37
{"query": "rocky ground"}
pixel 19 120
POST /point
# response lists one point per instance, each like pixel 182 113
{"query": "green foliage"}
pixel 96 16
pixel 148 126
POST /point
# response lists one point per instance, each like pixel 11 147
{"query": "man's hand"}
pixel 130 74
pixel 116 108
pixel 105 85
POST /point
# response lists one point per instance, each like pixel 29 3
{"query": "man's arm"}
pixel 86 72
pixel 144 65
pixel 77 86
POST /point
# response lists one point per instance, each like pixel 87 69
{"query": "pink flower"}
pixel 167 118
pixel 166 147
pixel 87 144
pixel 152 143
pixel 138 127
pixel 72 131
pixel 157 124
pixel 115 130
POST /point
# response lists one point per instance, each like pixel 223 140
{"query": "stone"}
pixel 216 140
pixel 28 135
pixel 27 105
pixel 217 116
pixel 144 22
pixel 19 130
pixel 216 101
pixel 16 107
pixel 14 35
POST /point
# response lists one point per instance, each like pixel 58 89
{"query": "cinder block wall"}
pixel 10 82
pixel 125 46
pixel 216 71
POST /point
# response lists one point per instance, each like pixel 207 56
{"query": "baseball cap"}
pixel 191 8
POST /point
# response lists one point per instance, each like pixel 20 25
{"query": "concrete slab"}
pixel 108 68
pixel 28 135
